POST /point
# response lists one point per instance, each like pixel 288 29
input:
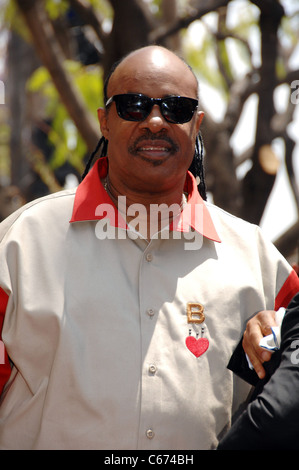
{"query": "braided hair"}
pixel 101 143
pixel 197 167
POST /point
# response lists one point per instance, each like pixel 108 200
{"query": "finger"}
pixel 260 325
pixel 257 327
pixel 266 320
pixel 255 356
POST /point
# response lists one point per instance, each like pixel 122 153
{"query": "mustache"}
pixel 149 136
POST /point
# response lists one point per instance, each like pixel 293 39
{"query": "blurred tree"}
pixel 77 41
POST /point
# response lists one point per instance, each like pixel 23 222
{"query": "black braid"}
pixel 103 142
pixel 197 168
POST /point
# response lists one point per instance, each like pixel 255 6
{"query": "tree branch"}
pixel 289 148
pixel 287 243
pixel 258 182
pixel 279 125
pixel 50 53
pixel 239 93
pixel 90 17
pixel 133 18
pixel 290 77
pixel 161 33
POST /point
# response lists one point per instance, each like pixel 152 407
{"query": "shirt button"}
pixel 150 434
pixel 152 369
pixel 149 257
pixel 150 312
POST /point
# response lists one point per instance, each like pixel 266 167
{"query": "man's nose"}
pixel 155 120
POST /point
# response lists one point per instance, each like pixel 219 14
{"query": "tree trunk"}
pixel 20 65
pixel 259 181
pixel 131 27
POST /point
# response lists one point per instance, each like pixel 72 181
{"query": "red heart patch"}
pixel 197 346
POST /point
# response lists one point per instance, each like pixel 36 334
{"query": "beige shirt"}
pixel 97 328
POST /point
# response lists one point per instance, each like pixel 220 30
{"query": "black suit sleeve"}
pixel 271 420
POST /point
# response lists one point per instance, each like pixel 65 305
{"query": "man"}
pixel 126 298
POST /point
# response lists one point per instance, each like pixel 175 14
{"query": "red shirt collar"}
pixel 90 194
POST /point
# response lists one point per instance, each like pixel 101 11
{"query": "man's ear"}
pixel 200 116
pixel 102 116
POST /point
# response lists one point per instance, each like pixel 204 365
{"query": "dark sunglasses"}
pixel 136 107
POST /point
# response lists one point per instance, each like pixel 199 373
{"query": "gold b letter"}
pixel 195 313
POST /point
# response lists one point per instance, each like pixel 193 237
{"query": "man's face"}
pixel 152 155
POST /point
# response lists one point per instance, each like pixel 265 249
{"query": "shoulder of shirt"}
pixel 228 223
pixel 232 227
pixel 224 215
pixel 7 223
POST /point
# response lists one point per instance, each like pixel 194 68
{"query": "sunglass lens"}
pixel 131 107
pixel 178 109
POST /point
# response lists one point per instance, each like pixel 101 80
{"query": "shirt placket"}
pixel 151 379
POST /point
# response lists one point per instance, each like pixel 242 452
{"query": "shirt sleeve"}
pixel 271 420
pixel 287 291
pixel 5 368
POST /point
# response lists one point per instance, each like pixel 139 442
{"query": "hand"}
pixel 257 327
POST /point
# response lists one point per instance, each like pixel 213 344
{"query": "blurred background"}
pixel 55 54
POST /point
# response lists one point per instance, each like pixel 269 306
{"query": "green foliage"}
pixel 63 135
pixel 103 7
pixel 11 19
pixel 56 8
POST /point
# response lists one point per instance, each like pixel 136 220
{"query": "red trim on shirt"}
pixel 288 290
pixel 5 369
pixel 91 194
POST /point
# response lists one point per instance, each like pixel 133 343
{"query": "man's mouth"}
pixel 153 148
